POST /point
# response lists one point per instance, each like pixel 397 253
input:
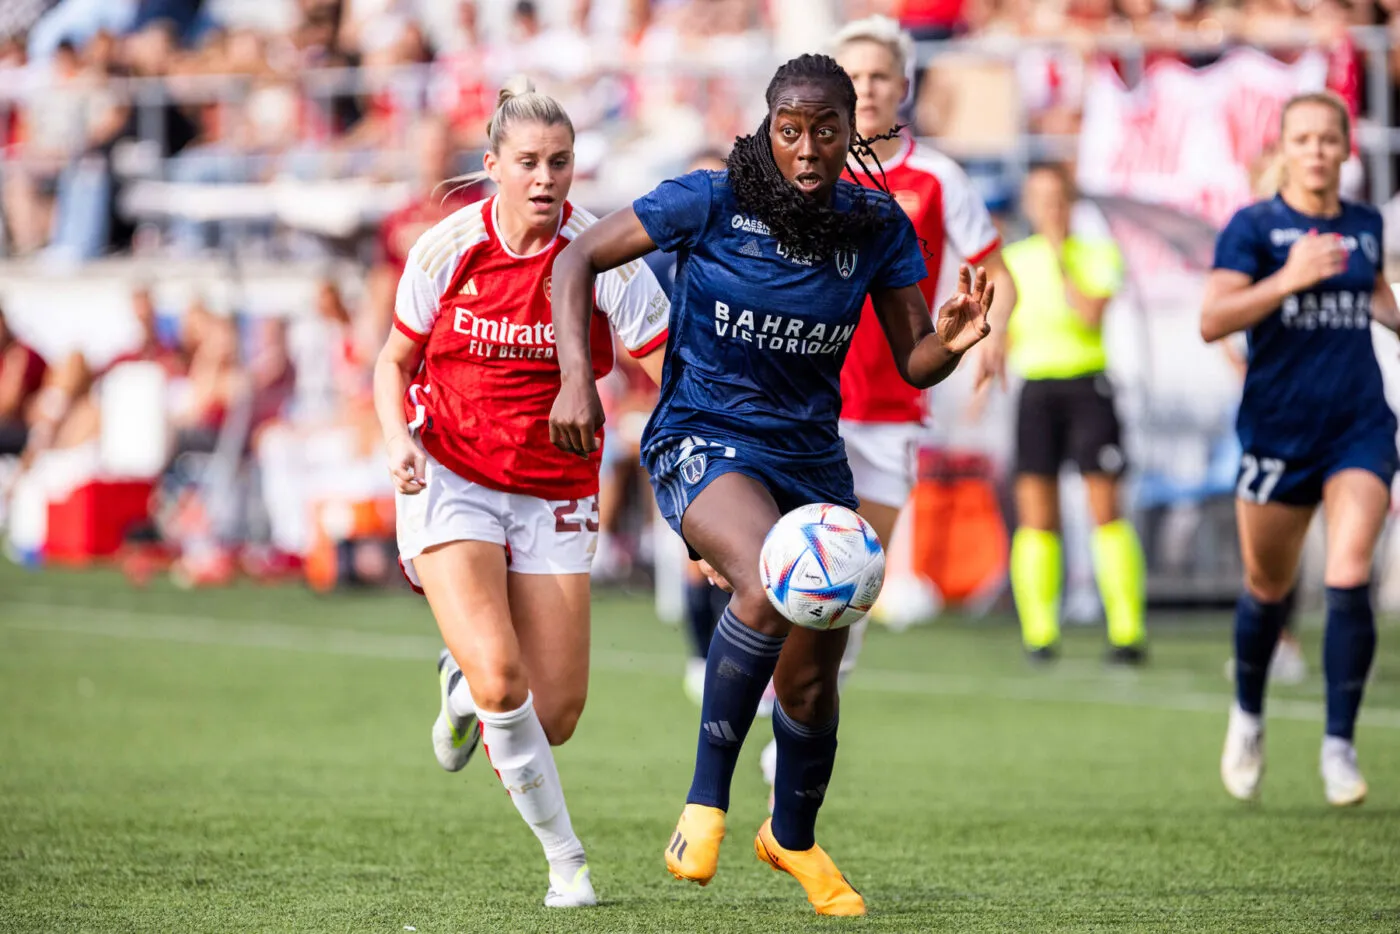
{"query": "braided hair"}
pixel 802 225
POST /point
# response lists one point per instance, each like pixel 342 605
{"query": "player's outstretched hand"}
pixel 577 417
pixel 1312 258
pixel 407 464
pixel 962 321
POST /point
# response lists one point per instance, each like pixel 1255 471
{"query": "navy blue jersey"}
pixel 1313 376
pixel 757 335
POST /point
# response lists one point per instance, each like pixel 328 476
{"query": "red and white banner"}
pixel 1186 137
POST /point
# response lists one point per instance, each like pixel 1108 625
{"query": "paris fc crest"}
pixel 693 468
pixel 1371 248
pixel 846 262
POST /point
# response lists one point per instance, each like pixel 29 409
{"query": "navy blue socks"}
pixel 1348 647
pixel 737 669
pixel 806 755
pixel 1257 627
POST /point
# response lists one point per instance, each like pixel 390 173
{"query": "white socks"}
pixel 519 752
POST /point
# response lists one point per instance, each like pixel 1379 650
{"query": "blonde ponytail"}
pixel 518 102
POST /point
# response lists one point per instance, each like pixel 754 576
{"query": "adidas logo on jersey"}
pixel 751 248
pixel 468 288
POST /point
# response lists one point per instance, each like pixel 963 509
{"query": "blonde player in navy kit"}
pixel 1300 273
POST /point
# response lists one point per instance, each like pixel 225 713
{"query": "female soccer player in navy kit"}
pixel 777 255
pixel 1301 275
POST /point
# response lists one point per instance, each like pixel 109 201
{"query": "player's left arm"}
pixel 1384 309
pixel 991 358
pixel 925 350
pixel 971 232
pixel 653 363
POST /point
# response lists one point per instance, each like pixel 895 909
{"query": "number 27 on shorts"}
pixel 1258 477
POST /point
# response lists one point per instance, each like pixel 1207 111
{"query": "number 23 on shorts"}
pixel 575 515
pixel 1258 477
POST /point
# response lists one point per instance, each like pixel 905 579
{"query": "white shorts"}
pixel 540 536
pixel 883 456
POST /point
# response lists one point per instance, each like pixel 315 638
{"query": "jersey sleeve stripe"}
pixel 442 254
pixel 446 229
pixel 408 332
pixel 650 346
pixel 985 251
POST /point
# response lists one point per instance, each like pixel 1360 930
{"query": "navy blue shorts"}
pixel 680 469
pixel 1263 478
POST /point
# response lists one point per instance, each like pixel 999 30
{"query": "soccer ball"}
pixel 822 566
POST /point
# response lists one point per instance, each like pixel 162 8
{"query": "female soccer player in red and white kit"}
pixel 496 525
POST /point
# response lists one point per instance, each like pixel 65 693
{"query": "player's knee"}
pixel 753 608
pixel 1348 567
pixel 1266 589
pixel 561 721
pixel 499 688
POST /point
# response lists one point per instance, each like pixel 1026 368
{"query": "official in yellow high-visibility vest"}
pixel 1066 414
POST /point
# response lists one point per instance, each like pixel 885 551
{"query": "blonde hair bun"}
pixel 515 87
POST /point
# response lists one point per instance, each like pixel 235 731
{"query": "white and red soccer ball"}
pixel 822 566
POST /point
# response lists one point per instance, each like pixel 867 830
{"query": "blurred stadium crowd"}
pixel 207 203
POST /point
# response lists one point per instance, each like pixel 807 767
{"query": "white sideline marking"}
pixel 233 632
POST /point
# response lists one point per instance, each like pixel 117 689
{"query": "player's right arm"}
pixel 577 415
pixel 398 360
pixel 672 216
pixel 1237 299
pixel 415 311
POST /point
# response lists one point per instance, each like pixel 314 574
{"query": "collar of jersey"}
pixel 496 232
pixel 903 154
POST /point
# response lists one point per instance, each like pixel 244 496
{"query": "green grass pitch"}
pixel 258 760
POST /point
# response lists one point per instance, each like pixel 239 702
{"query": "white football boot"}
pixel 1340 777
pixel 571 894
pixel 454 738
pixel 1242 762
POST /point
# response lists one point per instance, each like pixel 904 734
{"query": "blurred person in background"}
pixel 496 524
pixel 1066 413
pixel 323 438
pixel 1301 274
pixel 463 92
pixel 66 413
pixel 21 374
pixel 53 123
pixel 433 153
pixel 1288 665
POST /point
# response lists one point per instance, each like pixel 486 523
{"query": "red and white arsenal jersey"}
pixel 951 219
pixel 481 401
